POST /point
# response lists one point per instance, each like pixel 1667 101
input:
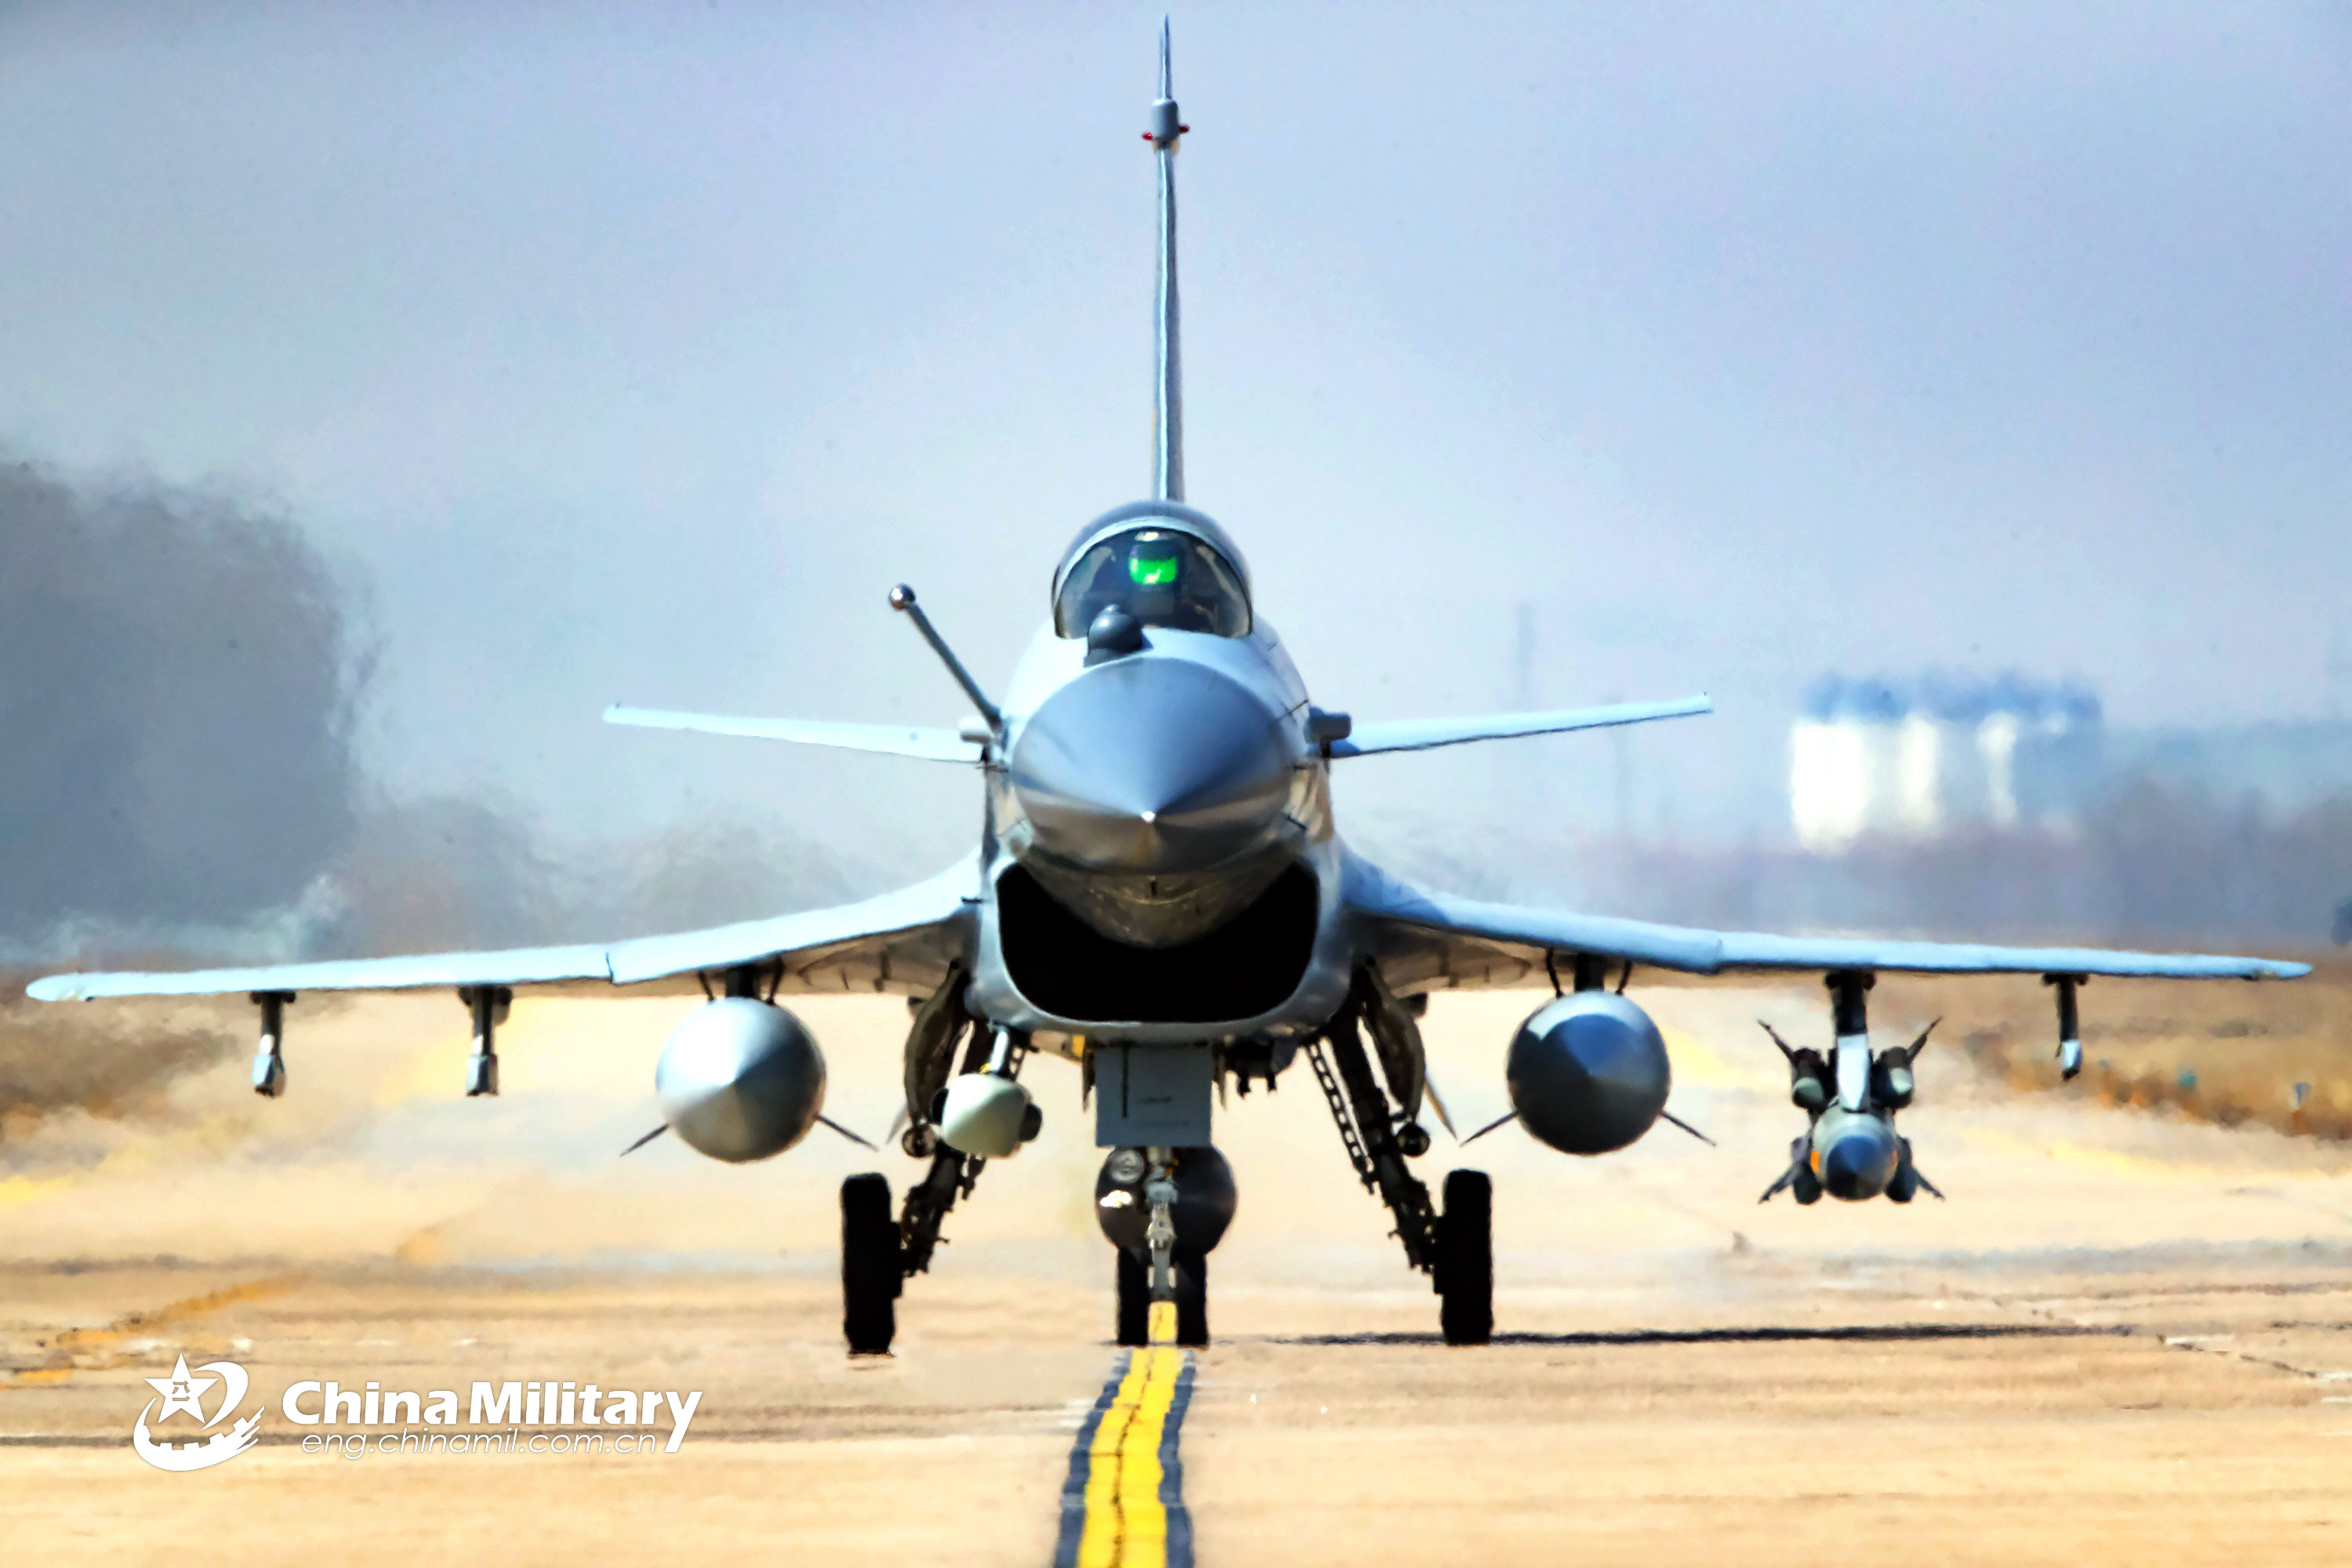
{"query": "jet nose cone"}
pixel 1859 1162
pixel 1158 765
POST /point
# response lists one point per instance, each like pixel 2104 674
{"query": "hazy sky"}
pixel 634 353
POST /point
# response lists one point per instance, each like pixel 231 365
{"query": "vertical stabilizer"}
pixel 1168 398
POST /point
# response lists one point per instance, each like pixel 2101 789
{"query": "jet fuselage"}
pixel 1159 788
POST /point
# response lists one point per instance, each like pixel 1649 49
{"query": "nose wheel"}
pixel 1191 1272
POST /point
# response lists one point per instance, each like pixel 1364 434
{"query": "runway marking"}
pixel 1123 1502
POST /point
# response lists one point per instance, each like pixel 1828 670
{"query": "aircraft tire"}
pixel 1192 1298
pixel 1134 1298
pixel 1465 1260
pixel 870 1281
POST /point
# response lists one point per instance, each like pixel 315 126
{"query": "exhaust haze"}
pixel 177 686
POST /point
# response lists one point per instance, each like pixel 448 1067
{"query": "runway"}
pixel 2127 1337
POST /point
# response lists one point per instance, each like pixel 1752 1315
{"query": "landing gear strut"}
pixel 1456 1249
pixel 929 1203
pixel 1160 1237
pixel 952 1174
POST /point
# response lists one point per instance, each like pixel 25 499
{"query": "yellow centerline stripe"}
pixel 1127 1511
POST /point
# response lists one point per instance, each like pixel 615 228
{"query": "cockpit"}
pixel 1167 569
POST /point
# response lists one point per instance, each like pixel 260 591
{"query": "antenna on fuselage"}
pixel 902 599
pixel 1167 401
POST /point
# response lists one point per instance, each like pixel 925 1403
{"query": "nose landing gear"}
pixel 1164 1210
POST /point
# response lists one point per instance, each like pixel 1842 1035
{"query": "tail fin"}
pixel 1167 403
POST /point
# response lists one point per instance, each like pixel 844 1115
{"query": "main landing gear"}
pixel 880 1254
pixel 1455 1248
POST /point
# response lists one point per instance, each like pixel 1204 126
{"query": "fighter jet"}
pixel 1159 897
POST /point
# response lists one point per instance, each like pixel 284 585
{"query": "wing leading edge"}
pixel 1440 938
pixel 892 739
pixel 831 949
pixel 1423 735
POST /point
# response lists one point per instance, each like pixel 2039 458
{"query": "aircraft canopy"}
pixel 1162 572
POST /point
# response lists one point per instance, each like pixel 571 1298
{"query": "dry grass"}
pixel 2229 1054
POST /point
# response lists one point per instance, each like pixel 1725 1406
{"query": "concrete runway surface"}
pixel 2126 1338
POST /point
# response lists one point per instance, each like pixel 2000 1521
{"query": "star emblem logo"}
pixel 180 1390
pixel 184 1390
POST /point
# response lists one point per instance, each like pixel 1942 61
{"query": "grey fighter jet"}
pixel 1159 897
